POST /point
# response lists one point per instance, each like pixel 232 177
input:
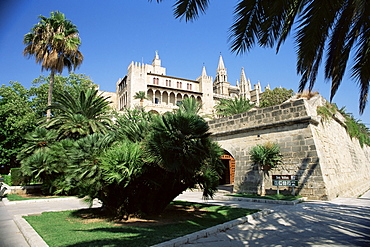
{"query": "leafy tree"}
pixel 228 107
pixel 16 119
pixel 275 97
pixel 86 114
pixel 339 27
pixel 54 42
pixel 71 83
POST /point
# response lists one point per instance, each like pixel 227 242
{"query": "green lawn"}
pixel 81 228
pixel 270 197
pixel 14 197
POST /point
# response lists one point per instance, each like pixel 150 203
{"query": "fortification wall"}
pixel 325 159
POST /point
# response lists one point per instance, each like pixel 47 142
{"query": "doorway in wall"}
pixel 228 176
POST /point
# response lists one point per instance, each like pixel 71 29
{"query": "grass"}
pixel 83 228
pixel 269 197
pixel 15 197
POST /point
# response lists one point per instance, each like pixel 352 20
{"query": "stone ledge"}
pixel 307 119
pixel 213 230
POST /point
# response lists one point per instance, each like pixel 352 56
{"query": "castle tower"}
pixel 206 88
pixel 221 85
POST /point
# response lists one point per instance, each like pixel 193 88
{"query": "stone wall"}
pixel 327 162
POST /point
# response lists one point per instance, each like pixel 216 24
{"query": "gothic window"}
pixel 169 83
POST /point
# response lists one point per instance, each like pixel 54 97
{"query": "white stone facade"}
pixel 164 92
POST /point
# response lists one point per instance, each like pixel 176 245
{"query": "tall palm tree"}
pixel 54 42
pixel 228 107
pixel 87 114
pixel 339 27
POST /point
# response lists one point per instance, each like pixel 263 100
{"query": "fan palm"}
pixel 54 42
pixel 38 139
pixel 338 27
pixel 190 106
pixel 265 157
pixel 140 95
pixel 86 114
pixel 228 107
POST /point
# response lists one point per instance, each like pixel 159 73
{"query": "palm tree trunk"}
pixel 262 188
pixel 50 94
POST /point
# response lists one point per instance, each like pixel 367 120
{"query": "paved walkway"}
pixel 342 222
pixel 10 232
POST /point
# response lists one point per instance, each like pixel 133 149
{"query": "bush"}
pixel 16 176
pixel 7 179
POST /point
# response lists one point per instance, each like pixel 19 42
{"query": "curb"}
pixel 31 236
pixel 281 202
pixel 7 202
pixel 213 230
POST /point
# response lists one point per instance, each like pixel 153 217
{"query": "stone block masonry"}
pixel 326 160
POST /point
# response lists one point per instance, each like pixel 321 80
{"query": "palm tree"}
pixel 339 27
pixel 140 95
pixel 190 106
pixel 54 42
pixel 87 114
pixel 228 107
pixel 265 156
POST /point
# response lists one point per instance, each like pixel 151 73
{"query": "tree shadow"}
pixel 192 217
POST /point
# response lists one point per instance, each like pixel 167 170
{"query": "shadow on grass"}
pixel 89 227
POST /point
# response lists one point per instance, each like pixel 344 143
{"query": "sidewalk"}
pixel 14 230
pixel 341 222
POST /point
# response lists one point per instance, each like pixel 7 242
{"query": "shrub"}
pixel 16 176
pixel 7 179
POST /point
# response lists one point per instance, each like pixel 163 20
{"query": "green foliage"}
pixel 7 179
pixel 137 165
pixel 267 154
pixel 16 176
pixel 356 129
pixel 327 111
pixel 140 95
pixel 54 42
pixel 16 119
pixel 275 97
pixel 228 107
pixel 190 106
pixel 79 116
pixel 73 84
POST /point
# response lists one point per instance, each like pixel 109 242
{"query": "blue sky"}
pixel 114 33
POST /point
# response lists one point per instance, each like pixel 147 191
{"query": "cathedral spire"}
pixel 221 65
